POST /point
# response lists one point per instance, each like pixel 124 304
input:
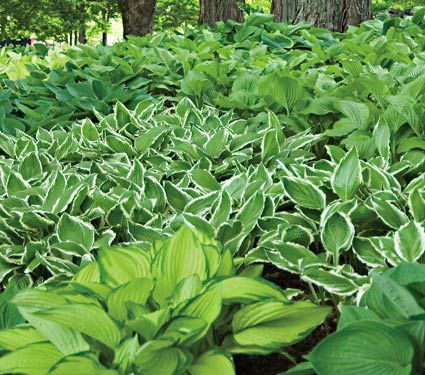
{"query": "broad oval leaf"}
pixel 365 347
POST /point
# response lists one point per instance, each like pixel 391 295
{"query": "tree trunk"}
pixel 75 37
pixel 212 11
pixel 334 15
pixel 82 37
pixel 137 16
pixel 104 38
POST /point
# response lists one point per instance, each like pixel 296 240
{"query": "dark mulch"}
pixel 276 363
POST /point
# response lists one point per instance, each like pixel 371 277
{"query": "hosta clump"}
pixel 384 334
pixel 347 216
pixel 172 308
pixel 129 176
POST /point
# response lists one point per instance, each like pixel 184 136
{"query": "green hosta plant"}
pixel 384 334
pixel 176 307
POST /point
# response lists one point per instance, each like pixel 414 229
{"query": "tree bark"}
pixel 212 11
pixel 334 15
pixel 82 39
pixel 137 16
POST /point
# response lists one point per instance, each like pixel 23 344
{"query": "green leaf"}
pixel 173 360
pixel 389 213
pixel 75 230
pixel 85 318
pixel 66 339
pixel 30 166
pixel 14 338
pixel 34 359
pixel 205 180
pixel 409 241
pixel 9 314
pixel 347 177
pixel 270 146
pixel 350 314
pixel 216 144
pixel 89 131
pixel 358 113
pixel 304 193
pixel 337 234
pixel 213 362
pixel 286 91
pixel 251 211
pixel 273 324
pixel 389 299
pixel 84 363
pixel 137 291
pixel 119 265
pixel 244 290
pixel 332 281
pixel 365 347
pixel 206 306
pixel 180 256
pixel 382 138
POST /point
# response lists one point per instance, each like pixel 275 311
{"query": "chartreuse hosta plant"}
pixel 174 308
pixel 383 335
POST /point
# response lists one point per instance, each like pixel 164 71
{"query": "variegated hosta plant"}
pixel 345 217
pixel 174 308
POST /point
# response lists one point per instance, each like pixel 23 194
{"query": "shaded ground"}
pixel 275 363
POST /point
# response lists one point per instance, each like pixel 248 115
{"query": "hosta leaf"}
pixel 347 177
pixel 75 230
pixel 205 179
pixel 88 319
pixel 358 113
pixel 337 234
pixel 9 314
pixel 366 347
pixel 270 145
pixel 367 253
pixel 119 265
pixel 222 211
pixel 34 359
pixel 332 281
pixel 14 338
pixel 389 213
pixel 213 362
pixel 179 257
pixel 173 360
pixel 54 194
pixel 251 211
pixel 350 314
pixel 285 91
pixel 389 299
pixel 417 205
pixel 136 291
pixel 206 306
pixel 304 193
pixel 84 363
pixel 66 339
pixel 239 289
pixel 273 324
pixel 30 166
pixel 410 241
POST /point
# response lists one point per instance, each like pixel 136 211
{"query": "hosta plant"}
pixel 384 334
pixel 174 308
